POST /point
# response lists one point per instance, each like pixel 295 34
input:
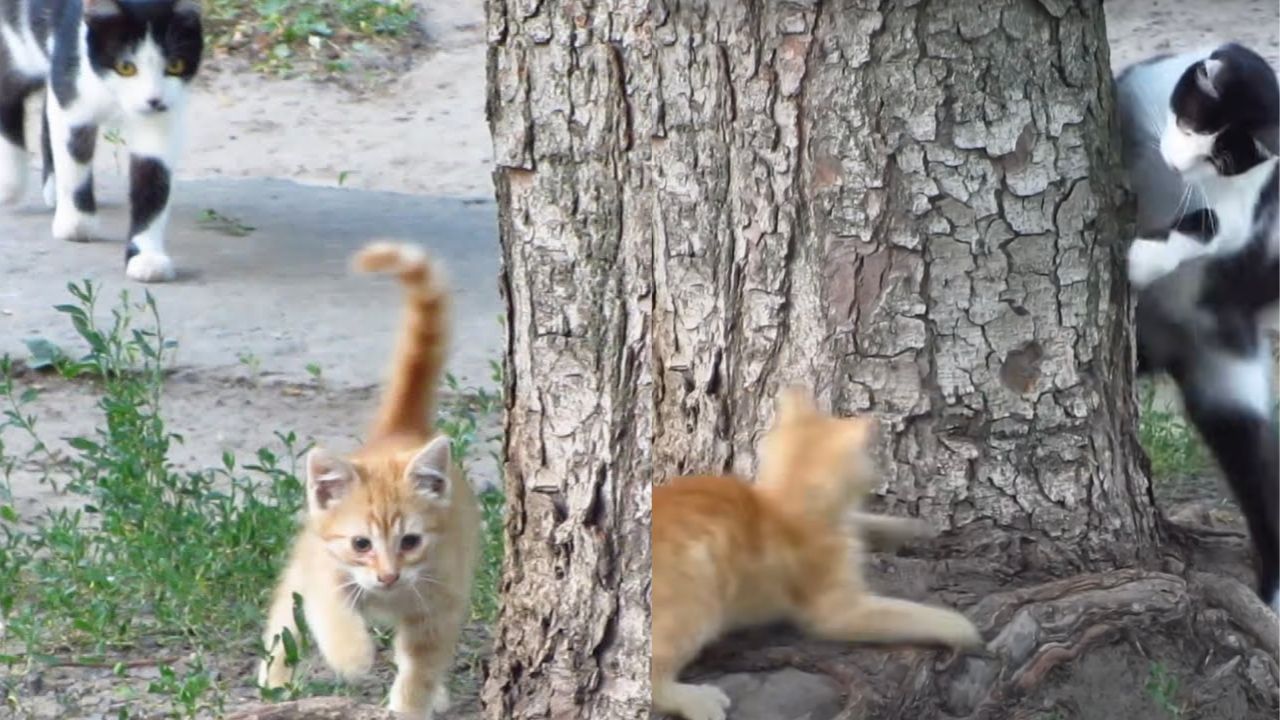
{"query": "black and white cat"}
pixel 1203 164
pixel 125 60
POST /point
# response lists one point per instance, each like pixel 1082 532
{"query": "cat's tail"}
pixel 409 400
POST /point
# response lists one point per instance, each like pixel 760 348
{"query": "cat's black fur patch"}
pixel 1244 113
pixel 82 142
pixel 148 192
pixel 84 198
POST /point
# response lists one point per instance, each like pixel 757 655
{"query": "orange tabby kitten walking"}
pixel 728 554
pixel 391 532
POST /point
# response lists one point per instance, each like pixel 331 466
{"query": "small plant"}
pixel 1172 445
pixel 316 373
pixel 211 219
pixel 252 364
pixel 1162 687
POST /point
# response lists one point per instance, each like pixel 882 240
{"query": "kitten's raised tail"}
pixel 409 401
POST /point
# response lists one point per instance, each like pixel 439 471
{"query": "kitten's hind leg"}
pixel 13 151
pixel 888 620
pixel 72 142
pixel 692 702
pixel 152 152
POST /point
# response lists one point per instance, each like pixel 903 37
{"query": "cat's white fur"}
pixel 1232 200
pixel 109 99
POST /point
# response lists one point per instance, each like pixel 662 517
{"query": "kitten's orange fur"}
pixel 401 484
pixel 728 554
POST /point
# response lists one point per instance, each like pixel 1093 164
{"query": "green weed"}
pixel 147 559
pixel 1162 687
pixel 1172 445
pixel 279 33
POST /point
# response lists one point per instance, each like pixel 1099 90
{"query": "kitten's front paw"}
pixel 351 659
pixel 13 189
pixel 440 701
pixel 72 225
pixel 274 673
pixel 50 192
pixel 700 702
pixel 1148 261
pixel 149 267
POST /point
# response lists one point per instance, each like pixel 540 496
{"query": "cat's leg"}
pixel 73 135
pixel 13 148
pixel 338 630
pixel 424 651
pixel 1149 260
pixel 673 645
pixel 886 532
pixel 47 188
pixel 875 619
pixel 152 148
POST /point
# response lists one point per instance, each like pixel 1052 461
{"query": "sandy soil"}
pixel 422 134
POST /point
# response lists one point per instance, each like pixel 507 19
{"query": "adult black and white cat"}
pixel 99 60
pixel 1208 279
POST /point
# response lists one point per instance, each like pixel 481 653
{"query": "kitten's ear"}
pixel 430 469
pixel 101 9
pixel 1209 77
pixel 329 479
pixel 794 403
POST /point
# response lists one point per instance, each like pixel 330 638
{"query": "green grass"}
pixel 149 559
pixel 279 33
pixel 1162 687
pixel 1175 450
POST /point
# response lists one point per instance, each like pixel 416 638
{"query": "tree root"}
pixel 321 708
pixel 1120 644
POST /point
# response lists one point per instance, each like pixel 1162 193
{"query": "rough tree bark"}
pixel 914 208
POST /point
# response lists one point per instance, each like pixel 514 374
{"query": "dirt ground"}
pixel 423 134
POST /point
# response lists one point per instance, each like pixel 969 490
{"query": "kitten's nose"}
pixel 157 104
pixel 388 579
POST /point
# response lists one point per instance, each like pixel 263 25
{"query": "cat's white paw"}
pixel 50 192
pixel 13 185
pixel 72 225
pixel 149 267
pixel 1149 260
pixel 700 702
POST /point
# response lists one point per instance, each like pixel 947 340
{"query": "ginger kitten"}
pixel 728 554
pixel 392 532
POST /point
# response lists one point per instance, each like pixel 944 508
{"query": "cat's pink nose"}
pixel 388 579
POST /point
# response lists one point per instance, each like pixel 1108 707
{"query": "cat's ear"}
pixel 794 403
pixel 188 7
pixel 1209 77
pixel 430 469
pixel 101 9
pixel 329 479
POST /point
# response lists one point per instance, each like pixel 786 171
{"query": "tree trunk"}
pixel 912 207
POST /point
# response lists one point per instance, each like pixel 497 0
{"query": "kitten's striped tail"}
pixel 409 400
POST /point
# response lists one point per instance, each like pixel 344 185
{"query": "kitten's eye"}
pixel 175 67
pixel 409 542
pixel 124 68
pixel 361 544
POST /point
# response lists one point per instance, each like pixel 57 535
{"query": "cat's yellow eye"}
pixel 176 66
pixel 124 68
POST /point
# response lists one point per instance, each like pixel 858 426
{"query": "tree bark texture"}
pixel 913 208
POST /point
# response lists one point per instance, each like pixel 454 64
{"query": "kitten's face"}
pixel 828 459
pixel 146 51
pixel 1222 115
pixel 382 521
